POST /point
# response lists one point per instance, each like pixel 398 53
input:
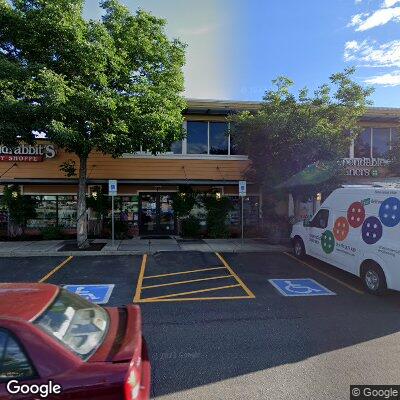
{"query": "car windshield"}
pixel 78 324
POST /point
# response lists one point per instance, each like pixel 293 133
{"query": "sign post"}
pixel 242 194
pixel 112 191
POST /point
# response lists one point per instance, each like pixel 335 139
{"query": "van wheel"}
pixel 298 248
pixel 373 278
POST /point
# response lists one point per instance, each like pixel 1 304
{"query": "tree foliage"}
pixel 20 208
pixel 290 131
pixel 217 208
pixel 113 85
pixel 183 201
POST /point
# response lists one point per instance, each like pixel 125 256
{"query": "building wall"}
pixel 102 166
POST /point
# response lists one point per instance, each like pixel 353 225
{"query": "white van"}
pixel 356 229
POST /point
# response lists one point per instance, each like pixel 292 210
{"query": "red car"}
pixel 56 345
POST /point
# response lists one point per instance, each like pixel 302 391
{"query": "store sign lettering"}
pixel 27 153
pixel 364 166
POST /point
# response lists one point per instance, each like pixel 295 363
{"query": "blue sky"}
pixel 236 47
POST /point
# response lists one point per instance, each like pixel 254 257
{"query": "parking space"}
pixel 29 269
pixel 272 346
pixel 189 276
pixel 217 326
pixel 121 271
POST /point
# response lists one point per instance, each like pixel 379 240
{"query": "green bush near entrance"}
pixel 217 207
pixel 191 227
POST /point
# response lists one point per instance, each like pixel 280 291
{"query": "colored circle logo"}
pixel 341 229
pixel 328 242
pixel 356 214
pixel 372 230
pixel 389 212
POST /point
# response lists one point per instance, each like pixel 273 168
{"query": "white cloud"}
pixel 390 79
pixel 357 19
pixel 358 1
pixel 369 54
pixel 363 22
pixel 388 3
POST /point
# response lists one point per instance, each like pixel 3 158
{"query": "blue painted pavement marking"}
pixel 98 294
pixel 300 287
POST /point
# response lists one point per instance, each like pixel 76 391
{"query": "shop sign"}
pixel 242 188
pixel 27 153
pixel 368 167
pixel 112 187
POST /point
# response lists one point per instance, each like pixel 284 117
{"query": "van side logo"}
pixel 389 212
pixel 328 242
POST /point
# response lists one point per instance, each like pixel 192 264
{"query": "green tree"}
pixel 290 132
pixel 20 209
pixel 113 85
pixel 183 203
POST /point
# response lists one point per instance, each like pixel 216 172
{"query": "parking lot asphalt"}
pixel 216 327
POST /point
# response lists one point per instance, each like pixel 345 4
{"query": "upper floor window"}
pixel 176 147
pixel 208 137
pixel 375 142
pixel 362 145
pixel 197 137
pixel 219 140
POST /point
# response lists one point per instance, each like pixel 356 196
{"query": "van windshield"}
pixel 78 324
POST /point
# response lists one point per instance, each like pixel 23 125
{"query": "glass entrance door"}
pixel 156 214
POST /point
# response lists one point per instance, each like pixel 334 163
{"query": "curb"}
pixel 128 252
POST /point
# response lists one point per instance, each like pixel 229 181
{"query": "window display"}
pixel 46 212
pixel 67 215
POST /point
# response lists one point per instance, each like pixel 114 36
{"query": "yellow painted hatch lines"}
pixel 158 284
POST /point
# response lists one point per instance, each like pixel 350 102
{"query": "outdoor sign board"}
pixel 242 188
pixel 112 187
pixel 27 153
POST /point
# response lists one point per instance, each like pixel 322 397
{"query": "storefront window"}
pixel 46 212
pixel 362 145
pixel 197 137
pixel 381 142
pixel 251 211
pixel 129 209
pixel 218 138
pixel 67 206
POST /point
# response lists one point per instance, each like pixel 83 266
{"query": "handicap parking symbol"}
pixel 98 294
pixel 300 287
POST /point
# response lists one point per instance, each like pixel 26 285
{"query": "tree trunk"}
pixel 82 226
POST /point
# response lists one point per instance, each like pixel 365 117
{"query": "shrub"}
pixel 51 233
pixel 217 208
pixel 20 209
pixel 191 227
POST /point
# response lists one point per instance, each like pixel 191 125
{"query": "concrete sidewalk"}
pixel 138 246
